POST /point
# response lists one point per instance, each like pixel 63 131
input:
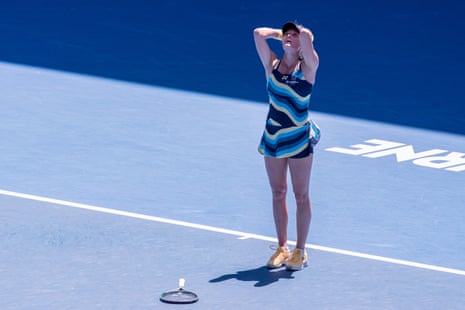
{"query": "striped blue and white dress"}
pixel 287 130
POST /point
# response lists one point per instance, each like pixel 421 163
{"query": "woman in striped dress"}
pixel 286 142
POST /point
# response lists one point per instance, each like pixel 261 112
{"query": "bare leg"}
pixel 300 169
pixel 276 169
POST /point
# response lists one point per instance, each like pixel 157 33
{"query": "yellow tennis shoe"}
pixel 297 261
pixel 279 258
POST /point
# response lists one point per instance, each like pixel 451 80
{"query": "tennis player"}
pixel 285 142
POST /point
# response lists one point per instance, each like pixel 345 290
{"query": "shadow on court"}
pixel 262 276
pixel 405 68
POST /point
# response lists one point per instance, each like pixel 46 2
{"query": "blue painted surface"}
pixel 390 61
pixel 169 146
pixel 192 157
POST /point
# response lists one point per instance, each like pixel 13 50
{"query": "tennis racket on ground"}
pixel 179 296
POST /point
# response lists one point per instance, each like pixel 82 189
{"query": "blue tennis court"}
pixel 113 188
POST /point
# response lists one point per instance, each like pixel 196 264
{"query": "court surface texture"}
pixel 123 170
pixel 112 191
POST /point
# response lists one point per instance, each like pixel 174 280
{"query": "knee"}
pixel 302 197
pixel 279 192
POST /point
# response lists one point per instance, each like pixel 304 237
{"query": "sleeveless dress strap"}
pixel 276 66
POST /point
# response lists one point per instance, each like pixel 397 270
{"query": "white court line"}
pixel 240 234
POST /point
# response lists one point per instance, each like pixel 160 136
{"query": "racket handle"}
pixel 182 282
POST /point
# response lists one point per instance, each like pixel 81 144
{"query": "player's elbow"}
pixel 259 32
pixel 305 32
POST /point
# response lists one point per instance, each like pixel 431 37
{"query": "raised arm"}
pixel 267 56
pixel 308 54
